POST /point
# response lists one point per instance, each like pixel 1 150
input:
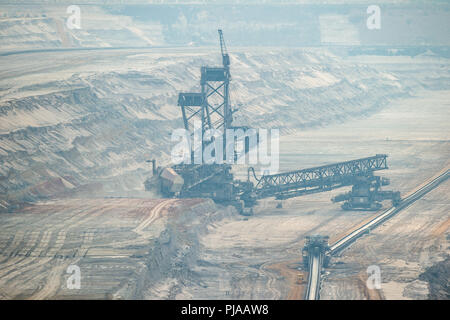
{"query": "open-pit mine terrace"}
pixel 77 127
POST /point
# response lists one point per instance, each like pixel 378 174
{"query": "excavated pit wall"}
pixel 176 251
pixel 437 277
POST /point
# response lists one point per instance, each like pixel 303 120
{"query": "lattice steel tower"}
pixel 212 104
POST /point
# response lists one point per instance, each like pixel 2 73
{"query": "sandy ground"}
pixel 134 248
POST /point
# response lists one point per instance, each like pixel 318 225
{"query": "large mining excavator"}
pixel 212 108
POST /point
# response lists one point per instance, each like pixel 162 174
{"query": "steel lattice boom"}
pixel 317 179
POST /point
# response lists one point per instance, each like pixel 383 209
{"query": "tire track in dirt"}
pixel 9 262
pixel 7 243
pixel 20 269
pixel 87 240
pixel 441 228
pixel 30 244
pixel 18 238
pixel 53 282
pixel 16 260
pixel 41 254
pixel 153 215
pixel 45 253
pixel 59 243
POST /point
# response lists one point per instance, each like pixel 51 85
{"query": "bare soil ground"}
pixel 172 249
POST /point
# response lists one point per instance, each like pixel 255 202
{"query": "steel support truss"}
pixel 327 177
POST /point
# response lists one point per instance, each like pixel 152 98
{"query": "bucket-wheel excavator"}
pixel 212 108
